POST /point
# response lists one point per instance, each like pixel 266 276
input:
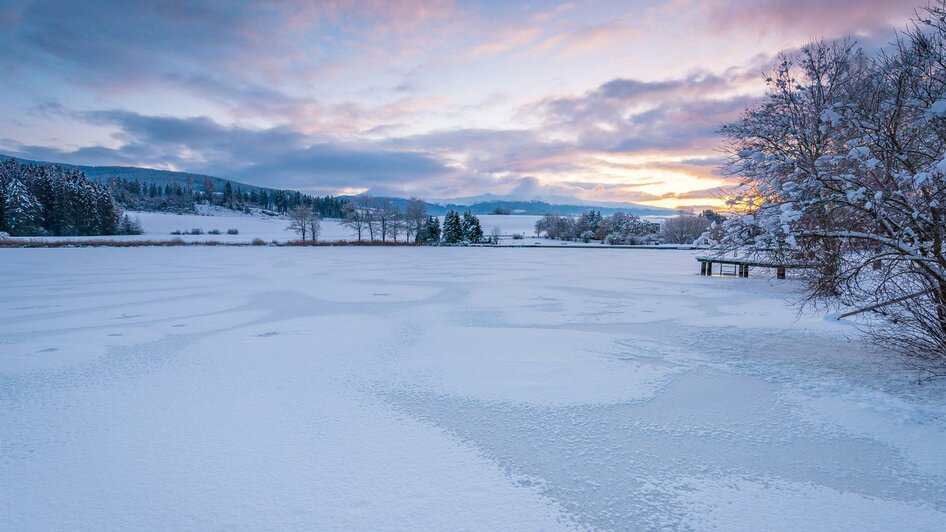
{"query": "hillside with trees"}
pixel 176 196
pixel 56 200
pixel 145 189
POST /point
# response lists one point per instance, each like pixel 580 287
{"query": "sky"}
pixel 599 100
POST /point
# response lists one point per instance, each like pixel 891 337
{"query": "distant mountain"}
pixel 483 204
pixel 487 203
pixel 537 207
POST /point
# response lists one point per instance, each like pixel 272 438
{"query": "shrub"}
pixel 178 232
pixel 258 242
pixel 127 226
pixel 233 232
pixel 197 231
pixel 213 232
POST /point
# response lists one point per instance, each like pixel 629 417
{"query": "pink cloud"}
pixel 811 18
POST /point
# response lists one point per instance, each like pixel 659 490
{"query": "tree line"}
pixel 56 200
pixel 175 196
pixel 842 172
pixel 381 219
pixel 623 228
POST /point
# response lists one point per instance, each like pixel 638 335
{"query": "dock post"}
pixel 702 267
pixel 780 272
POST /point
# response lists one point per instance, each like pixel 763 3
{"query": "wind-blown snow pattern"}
pixel 444 388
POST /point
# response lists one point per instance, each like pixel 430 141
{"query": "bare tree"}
pixel 304 222
pixel 353 219
pixel 366 212
pixel 395 227
pixel 495 234
pixel 415 214
pixel 684 228
pixel 387 216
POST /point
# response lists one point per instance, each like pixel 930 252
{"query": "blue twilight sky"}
pixel 601 100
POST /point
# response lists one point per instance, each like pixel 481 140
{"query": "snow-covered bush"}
pixel 619 228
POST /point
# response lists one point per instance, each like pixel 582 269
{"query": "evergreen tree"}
pixel 56 200
pixel 429 232
pixel 472 230
pixel 22 212
pixel 228 194
pixel 452 228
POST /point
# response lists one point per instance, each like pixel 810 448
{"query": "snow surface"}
pixel 160 225
pixel 444 388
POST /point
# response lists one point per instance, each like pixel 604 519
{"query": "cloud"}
pixel 277 157
pixel 436 98
pixel 633 115
pixel 811 18
pixel 234 49
pixel 594 38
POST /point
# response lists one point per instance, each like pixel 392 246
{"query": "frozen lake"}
pixel 444 388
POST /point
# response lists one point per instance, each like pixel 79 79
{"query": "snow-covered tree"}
pixel 56 200
pixel 843 171
pixel 472 230
pixel 429 232
pixel 623 228
pixel 452 228
pixel 22 212
pixel 619 228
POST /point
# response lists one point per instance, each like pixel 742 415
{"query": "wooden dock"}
pixel 736 267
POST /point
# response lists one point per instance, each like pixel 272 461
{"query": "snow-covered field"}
pixel 444 388
pixel 159 226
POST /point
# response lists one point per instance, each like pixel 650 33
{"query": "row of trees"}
pixel 56 200
pixel 842 170
pixel 462 230
pixel 623 228
pixel 381 219
pixel 175 196
pixel 151 196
